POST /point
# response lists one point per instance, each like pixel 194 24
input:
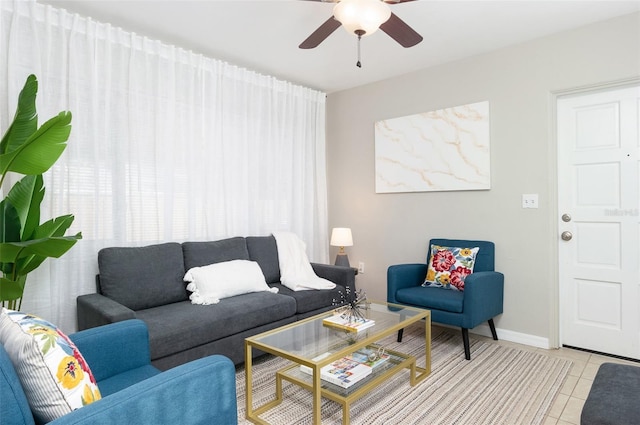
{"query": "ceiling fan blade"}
pixel 388 1
pixel 323 31
pixel 397 29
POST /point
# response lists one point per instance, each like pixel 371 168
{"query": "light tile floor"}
pixel 568 404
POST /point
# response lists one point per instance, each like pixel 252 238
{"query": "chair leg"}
pixel 493 329
pixel 400 334
pixel 465 341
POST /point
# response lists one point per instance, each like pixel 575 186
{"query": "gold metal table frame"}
pixel 301 341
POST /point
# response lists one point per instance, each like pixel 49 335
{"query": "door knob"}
pixel 566 236
pixel 566 218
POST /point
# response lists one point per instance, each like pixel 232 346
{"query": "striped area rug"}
pixel 500 385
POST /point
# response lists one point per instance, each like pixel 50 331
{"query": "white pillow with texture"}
pixel 209 284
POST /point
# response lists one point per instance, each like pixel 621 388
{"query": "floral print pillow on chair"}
pixel 55 377
pixel 449 266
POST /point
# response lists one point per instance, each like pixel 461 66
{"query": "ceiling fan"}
pixel 362 18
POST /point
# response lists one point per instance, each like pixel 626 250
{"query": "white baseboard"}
pixel 511 336
pixel 507 335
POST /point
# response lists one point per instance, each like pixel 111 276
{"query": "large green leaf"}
pixel 54 247
pixel 41 150
pixel 26 196
pixel 6 268
pixel 26 265
pixel 11 289
pixel 54 227
pixel 9 252
pixel 25 121
pixel 9 222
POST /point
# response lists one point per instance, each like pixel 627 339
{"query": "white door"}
pixel 598 216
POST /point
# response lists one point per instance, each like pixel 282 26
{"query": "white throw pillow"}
pixel 55 377
pixel 211 283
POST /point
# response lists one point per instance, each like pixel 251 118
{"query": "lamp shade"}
pixel 341 236
pixel 364 15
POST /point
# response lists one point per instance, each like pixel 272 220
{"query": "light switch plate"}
pixel 530 200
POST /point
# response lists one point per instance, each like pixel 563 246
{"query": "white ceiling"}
pixel 263 35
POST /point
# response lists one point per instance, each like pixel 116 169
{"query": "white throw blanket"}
pixel 296 272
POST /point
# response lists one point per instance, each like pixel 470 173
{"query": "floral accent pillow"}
pixel 55 377
pixel 449 266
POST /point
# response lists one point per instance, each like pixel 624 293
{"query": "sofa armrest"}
pixel 97 310
pixel 401 276
pixel 483 297
pixel 199 392
pixel 115 348
pixel 345 276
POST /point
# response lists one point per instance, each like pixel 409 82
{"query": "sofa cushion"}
pixel 264 251
pixel 451 301
pixel 55 377
pixel 314 299
pixel 181 326
pixel 198 254
pixel 143 277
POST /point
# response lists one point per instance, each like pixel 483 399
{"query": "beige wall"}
pixel 519 82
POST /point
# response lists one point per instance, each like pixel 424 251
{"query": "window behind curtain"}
pixel 166 145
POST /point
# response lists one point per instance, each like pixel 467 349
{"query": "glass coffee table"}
pixel 312 344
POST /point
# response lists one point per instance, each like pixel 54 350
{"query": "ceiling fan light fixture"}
pixel 361 15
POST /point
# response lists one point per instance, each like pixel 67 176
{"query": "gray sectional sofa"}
pixel 147 283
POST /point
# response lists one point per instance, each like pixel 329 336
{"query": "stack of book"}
pixel 349 323
pixel 343 372
pixel 348 370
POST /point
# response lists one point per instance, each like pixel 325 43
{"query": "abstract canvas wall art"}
pixel 443 150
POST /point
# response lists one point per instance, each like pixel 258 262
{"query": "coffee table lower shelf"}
pixel 344 396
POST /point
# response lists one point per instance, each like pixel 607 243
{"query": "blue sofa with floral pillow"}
pixel 112 363
pixel 147 283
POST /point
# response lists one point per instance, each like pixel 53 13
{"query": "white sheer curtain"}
pixel 166 145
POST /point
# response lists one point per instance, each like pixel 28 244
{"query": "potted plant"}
pixel 29 150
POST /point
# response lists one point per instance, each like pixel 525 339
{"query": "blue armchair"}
pixel 199 392
pixel 480 301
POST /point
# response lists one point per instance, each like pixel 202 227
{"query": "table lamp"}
pixel 341 236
